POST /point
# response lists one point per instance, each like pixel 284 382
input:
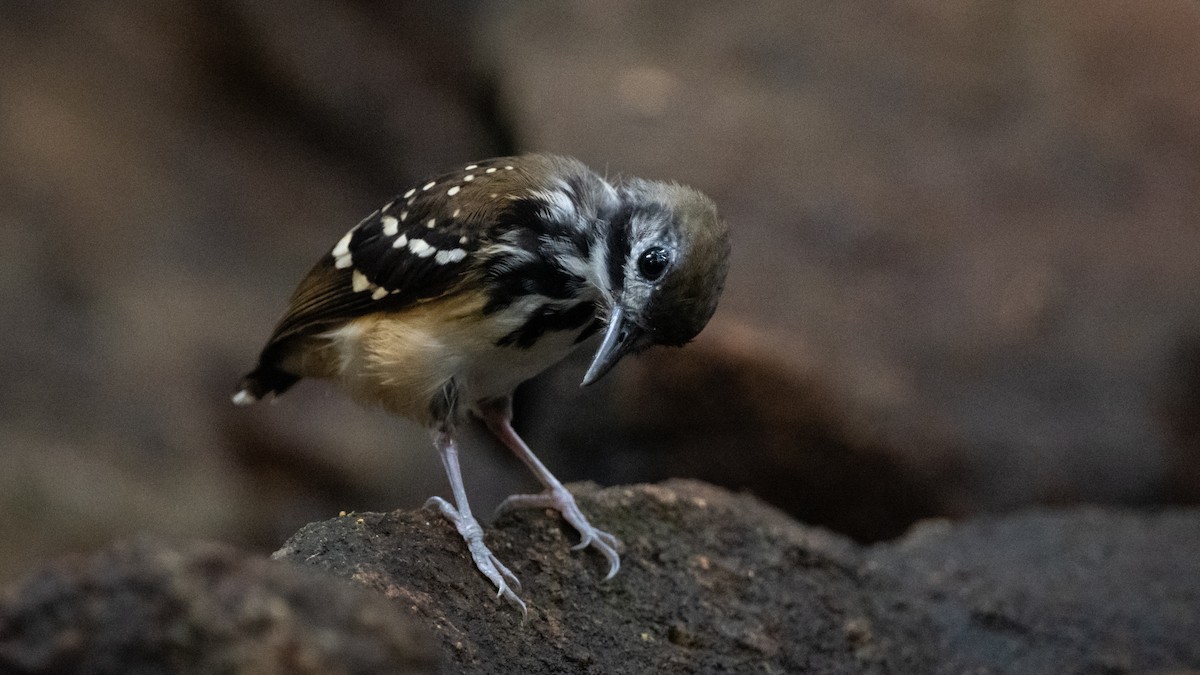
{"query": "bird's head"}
pixel 668 252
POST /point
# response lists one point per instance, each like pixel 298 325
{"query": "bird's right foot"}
pixel 486 561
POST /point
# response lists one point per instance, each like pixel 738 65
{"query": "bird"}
pixel 437 305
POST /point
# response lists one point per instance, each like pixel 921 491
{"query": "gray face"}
pixel 671 275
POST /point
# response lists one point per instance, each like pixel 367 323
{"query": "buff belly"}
pixel 404 360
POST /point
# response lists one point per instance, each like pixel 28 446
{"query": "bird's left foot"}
pixel 485 561
pixel 563 501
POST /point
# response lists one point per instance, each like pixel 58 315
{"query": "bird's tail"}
pixel 261 381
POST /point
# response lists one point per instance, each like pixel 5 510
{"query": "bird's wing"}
pixel 410 251
pixel 484 218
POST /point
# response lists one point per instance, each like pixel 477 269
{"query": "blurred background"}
pixel 966 251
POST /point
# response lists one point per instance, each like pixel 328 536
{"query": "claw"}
pixel 562 501
pixel 485 561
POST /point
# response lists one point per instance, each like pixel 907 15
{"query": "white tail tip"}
pixel 244 397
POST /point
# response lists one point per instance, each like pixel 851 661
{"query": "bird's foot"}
pixel 486 561
pixel 563 501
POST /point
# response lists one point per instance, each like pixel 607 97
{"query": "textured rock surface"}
pixel 147 607
pixel 711 582
pixel 717 582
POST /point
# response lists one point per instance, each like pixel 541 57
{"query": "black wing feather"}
pixel 390 277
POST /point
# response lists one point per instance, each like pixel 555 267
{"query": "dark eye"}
pixel 653 262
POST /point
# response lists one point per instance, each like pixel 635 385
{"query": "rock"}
pixel 718 582
pixel 201 608
pixel 1082 590
pixel 677 412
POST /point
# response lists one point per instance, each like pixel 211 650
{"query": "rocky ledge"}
pixel 711 582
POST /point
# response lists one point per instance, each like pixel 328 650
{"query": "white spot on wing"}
pixel 453 191
pixel 341 252
pixel 456 212
pixel 453 255
pixel 410 193
pixel 463 239
pixel 403 216
pixel 431 223
pixel 471 166
pixel 420 248
pixel 343 245
pixel 508 168
pixel 429 185
pixel 359 282
pixel 379 293
pixel 468 178
pixel 390 226
pixel 244 397
pixel 491 170
pixel 401 241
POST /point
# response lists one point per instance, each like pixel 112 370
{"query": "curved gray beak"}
pixel 620 337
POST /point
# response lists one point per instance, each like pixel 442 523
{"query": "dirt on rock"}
pixel 710 582
pixel 718 582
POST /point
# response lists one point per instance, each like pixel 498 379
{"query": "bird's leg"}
pixel 497 415
pixel 460 515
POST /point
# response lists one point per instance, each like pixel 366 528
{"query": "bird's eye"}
pixel 653 262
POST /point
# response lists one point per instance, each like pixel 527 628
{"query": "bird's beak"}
pixel 620 338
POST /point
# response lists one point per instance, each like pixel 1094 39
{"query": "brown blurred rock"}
pixel 977 223
pixel 201 608
pixel 741 407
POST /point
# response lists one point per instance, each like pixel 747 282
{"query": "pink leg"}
pixel 460 515
pixel 497 415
